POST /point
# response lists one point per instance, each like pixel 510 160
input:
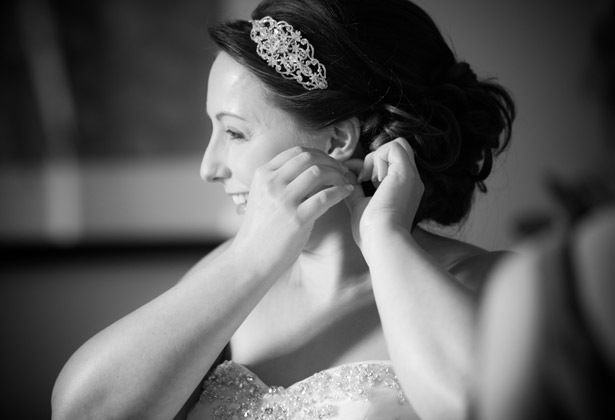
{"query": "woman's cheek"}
pixel 244 172
pixel 249 159
pixel 247 164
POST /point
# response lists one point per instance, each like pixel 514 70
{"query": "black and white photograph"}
pixel 307 209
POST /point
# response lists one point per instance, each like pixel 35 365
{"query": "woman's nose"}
pixel 213 167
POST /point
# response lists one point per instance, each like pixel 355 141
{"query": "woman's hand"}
pixel 392 169
pixel 287 195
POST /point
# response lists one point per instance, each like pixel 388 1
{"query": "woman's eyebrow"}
pixel 220 115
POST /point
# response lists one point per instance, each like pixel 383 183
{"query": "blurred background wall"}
pixel 103 125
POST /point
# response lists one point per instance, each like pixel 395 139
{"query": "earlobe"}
pixel 344 139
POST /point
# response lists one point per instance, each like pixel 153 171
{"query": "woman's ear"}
pixel 344 139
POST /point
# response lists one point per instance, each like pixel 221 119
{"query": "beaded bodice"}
pixel 365 391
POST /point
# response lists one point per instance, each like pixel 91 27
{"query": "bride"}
pixel 332 301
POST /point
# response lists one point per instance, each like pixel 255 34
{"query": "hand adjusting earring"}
pixel 291 55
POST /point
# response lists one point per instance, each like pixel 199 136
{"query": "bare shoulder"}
pixel 207 259
pixel 477 266
pixel 468 263
pixel 518 272
pixel 526 265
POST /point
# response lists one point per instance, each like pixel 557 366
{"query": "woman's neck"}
pixel 331 263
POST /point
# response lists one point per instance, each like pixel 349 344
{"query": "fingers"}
pixel 357 195
pixel 306 172
pixel 295 160
pixel 405 145
pixel 318 188
pixel 304 180
pixel 314 179
pixel 381 168
pixel 316 205
pixel 368 168
pixel 311 182
pixel 408 156
pixel 394 155
pixel 283 157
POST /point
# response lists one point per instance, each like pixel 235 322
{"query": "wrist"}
pixel 261 264
pixel 245 259
pixel 381 230
pixel 380 238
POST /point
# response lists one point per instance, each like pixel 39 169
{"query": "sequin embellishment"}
pixel 235 393
pixel 288 52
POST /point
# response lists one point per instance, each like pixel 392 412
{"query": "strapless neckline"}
pixel 358 390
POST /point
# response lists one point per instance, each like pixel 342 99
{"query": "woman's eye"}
pixel 235 135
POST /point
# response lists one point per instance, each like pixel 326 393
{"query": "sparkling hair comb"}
pixel 291 55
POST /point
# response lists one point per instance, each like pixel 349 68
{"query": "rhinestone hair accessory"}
pixel 291 55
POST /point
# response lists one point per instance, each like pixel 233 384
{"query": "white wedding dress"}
pixel 357 391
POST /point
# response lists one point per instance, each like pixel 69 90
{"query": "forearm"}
pixel 148 363
pixel 427 320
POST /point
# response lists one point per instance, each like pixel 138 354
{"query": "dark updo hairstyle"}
pixel 388 64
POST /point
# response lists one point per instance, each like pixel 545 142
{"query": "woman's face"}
pixel 247 131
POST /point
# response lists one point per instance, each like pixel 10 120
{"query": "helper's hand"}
pixel 392 169
pixel 287 195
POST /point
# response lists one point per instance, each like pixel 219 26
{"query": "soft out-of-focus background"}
pixel 103 125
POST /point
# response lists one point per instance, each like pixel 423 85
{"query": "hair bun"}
pixel 460 74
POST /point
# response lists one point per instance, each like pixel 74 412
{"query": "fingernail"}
pixel 349 187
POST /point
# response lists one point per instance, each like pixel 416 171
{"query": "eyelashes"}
pixel 235 135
